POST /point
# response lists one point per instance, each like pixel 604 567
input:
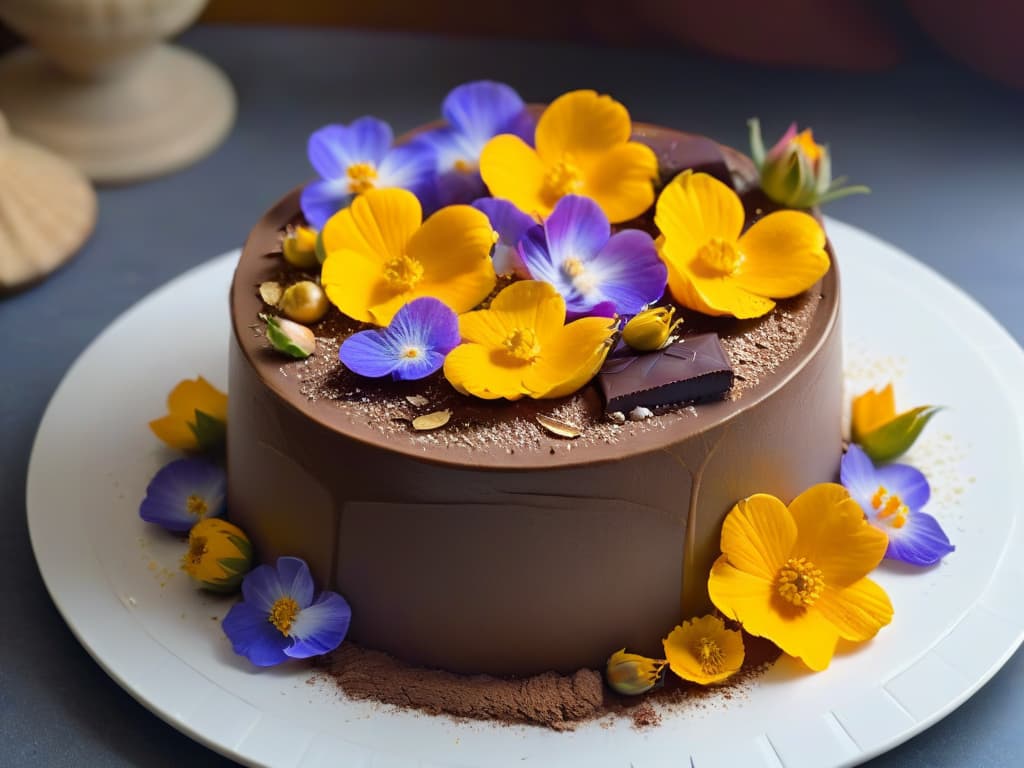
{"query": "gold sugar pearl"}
pixel 304 302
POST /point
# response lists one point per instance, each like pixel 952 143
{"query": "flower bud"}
pixel 303 302
pixel 650 329
pixel 299 247
pixel 631 674
pixel 288 337
pixel 219 555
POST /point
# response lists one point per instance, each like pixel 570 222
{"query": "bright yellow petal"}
pixel 717 296
pixel 354 283
pixel 175 432
pixel 532 304
pixel 190 395
pixel 513 170
pixel 858 611
pixel 801 632
pixel 621 180
pixel 871 410
pixel 834 535
pixel 692 209
pixel 378 223
pixel 758 535
pixel 581 122
pixel 570 358
pixel 783 255
pixel 454 248
pixel 473 369
pixel 703 651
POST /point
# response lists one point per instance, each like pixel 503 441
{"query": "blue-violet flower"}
pixel 511 224
pixel 413 346
pixel 184 492
pixel 596 272
pixel 279 618
pixel 892 496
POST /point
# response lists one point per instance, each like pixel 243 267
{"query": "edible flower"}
pixel 413 346
pixel 511 224
pixel 520 346
pixel 219 555
pixel 582 148
pixel 595 271
pixel 798 576
pixel 381 255
pixel 632 674
pixel 197 416
pixel 882 434
pixel 714 269
pixel 475 113
pixel 797 171
pixel 651 329
pixel 703 651
pixel 288 337
pixel 891 497
pixel 279 618
pixel 358 157
pixel 299 247
pixel 184 492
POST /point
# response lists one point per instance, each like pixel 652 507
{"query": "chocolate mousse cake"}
pixel 514 537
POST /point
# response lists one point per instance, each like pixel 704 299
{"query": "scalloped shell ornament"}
pixel 47 210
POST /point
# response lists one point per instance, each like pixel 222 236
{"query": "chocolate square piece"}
pixel 692 370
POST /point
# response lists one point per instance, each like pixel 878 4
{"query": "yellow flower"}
pixel 871 410
pixel 651 329
pixel 797 576
pixel 583 148
pixel 632 674
pixel 197 413
pixel 882 434
pixel 521 346
pixel 218 556
pixel 703 651
pixel 714 269
pixel 382 255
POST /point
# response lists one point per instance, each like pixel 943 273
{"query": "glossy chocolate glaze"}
pixel 514 562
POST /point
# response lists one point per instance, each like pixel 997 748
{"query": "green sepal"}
pixel 243 546
pixel 280 341
pixel 894 438
pixel 224 586
pixel 210 432
pixel 321 251
pixel 756 142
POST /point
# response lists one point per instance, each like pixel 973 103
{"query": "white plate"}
pixel 116 582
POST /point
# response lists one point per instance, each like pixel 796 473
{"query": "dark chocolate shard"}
pixel 695 369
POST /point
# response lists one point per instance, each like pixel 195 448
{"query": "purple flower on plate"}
pixel 475 112
pixel 413 346
pixel 511 224
pixel 357 157
pixel 184 492
pixel 279 618
pixel 596 272
pixel 892 496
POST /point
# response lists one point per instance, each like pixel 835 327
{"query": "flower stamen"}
pixel 720 256
pixel 890 505
pixel 196 505
pixel 361 177
pixel 283 613
pixel 194 557
pixel 709 655
pixel 523 344
pixel 563 178
pixel 800 582
pixel 412 352
pixel 464 166
pixel 402 273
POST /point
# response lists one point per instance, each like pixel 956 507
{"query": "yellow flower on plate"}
pixel 703 651
pixel 582 148
pixel 520 346
pixel 714 269
pixel 884 435
pixel 219 555
pixel 798 576
pixel 632 674
pixel 382 255
pixel 197 415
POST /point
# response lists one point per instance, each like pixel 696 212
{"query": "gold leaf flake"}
pixel 431 420
pixel 418 400
pixel 557 427
pixel 270 292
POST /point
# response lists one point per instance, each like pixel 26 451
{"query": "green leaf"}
pixel 895 437
pixel 280 341
pixel 210 432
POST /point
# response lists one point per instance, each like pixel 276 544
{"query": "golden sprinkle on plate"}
pixel 557 427
pixel 431 420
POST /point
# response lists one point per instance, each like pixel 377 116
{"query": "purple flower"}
pixel 892 496
pixel 354 158
pixel 476 112
pixel 279 619
pixel 413 346
pixel 596 272
pixel 511 224
pixel 184 492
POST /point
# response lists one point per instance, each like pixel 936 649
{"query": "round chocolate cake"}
pixel 530 535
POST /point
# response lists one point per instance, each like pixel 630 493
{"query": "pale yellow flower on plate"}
pixel 196 415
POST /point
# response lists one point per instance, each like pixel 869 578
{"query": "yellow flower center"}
pixel 402 273
pixel 710 656
pixel 720 256
pixel 889 505
pixel 283 613
pixel 464 166
pixel 196 505
pixel 194 557
pixel 412 352
pixel 522 344
pixel 563 178
pixel 800 582
pixel 573 269
pixel 361 177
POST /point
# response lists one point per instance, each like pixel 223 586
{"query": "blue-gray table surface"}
pixel 942 149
